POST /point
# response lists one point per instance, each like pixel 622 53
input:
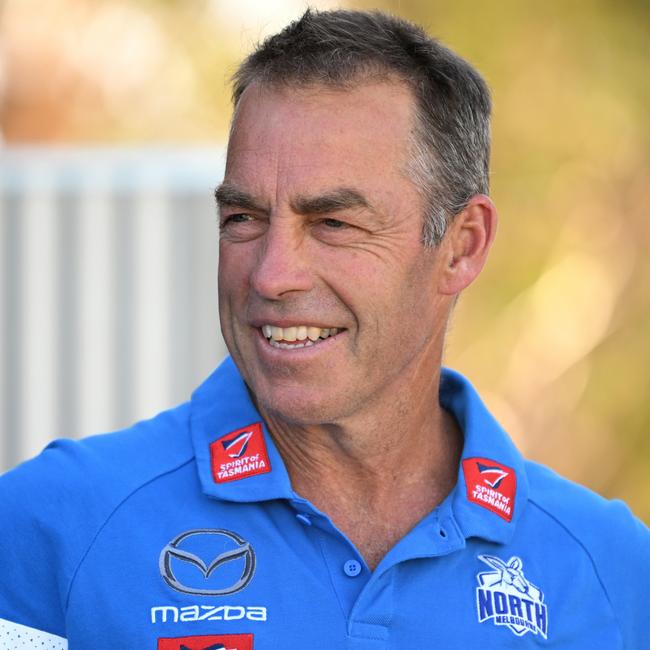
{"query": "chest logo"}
pixel 212 642
pixel 207 562
pixel 239 454
pixel 505 597
pixel 490 485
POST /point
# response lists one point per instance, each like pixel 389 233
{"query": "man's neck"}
pixel 376 474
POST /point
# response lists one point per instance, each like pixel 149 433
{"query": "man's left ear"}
pixel 466 244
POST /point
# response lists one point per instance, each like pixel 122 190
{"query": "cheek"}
pixel 356 273
pixel 372 290
pixel 234 271
pixel 232 280
pixel 232 283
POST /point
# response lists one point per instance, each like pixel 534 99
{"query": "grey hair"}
pixel 450 148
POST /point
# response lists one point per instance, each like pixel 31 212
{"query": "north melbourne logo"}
pixel 505 597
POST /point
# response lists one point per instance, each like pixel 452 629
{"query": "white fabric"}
pixel 14 636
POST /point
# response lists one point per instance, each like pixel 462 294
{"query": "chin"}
pixel 302 408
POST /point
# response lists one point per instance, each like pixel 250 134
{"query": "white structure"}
pixel 108 290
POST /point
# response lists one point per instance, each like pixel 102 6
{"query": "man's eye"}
pixel 334 223
pixel 236 218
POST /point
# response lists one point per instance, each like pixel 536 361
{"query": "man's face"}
pixel 321 239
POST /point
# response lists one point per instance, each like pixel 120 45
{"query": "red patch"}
pixel 219 642
pixel 239 454
pixel 491 485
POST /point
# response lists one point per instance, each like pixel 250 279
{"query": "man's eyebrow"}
pixel 341 198
pixel 335 200
pixel 229 195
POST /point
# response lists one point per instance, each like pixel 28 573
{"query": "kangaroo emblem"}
pixel 506 597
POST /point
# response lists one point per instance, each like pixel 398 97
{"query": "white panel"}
pixel 122 293
pixel 95 365
pixel 39 335
pixel 3 339
pixel 14 636
pixel 152 305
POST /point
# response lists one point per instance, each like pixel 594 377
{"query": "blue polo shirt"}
pixel 183 532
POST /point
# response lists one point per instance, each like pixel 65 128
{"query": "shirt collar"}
pixel 222 405
pixel 492 488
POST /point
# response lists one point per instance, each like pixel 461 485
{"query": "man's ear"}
pixel 466 244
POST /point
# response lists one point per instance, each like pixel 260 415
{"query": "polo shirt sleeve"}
pixel 616 543
pixel 45 516
pixel 622 557
pixel 52 509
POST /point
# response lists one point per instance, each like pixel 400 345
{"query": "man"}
pixel 329 486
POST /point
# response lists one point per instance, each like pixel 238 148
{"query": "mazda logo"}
pixel 236 562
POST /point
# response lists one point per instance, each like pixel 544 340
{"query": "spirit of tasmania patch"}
pixel 491 485
pixel 239 454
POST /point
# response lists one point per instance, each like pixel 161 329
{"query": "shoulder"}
pixel 101 468
pixel 615 542
pixel 586 515
pixel 54 505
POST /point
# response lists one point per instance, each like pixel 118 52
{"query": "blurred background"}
pixel 113 119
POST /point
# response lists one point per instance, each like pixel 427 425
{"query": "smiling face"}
pixel 329 302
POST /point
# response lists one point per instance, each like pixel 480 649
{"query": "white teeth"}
pixel 303 335
pixel 286 346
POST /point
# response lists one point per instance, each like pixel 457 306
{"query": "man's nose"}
pixel 283 265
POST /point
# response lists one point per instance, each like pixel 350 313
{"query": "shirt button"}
pixel 303 519
pixel 352 568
